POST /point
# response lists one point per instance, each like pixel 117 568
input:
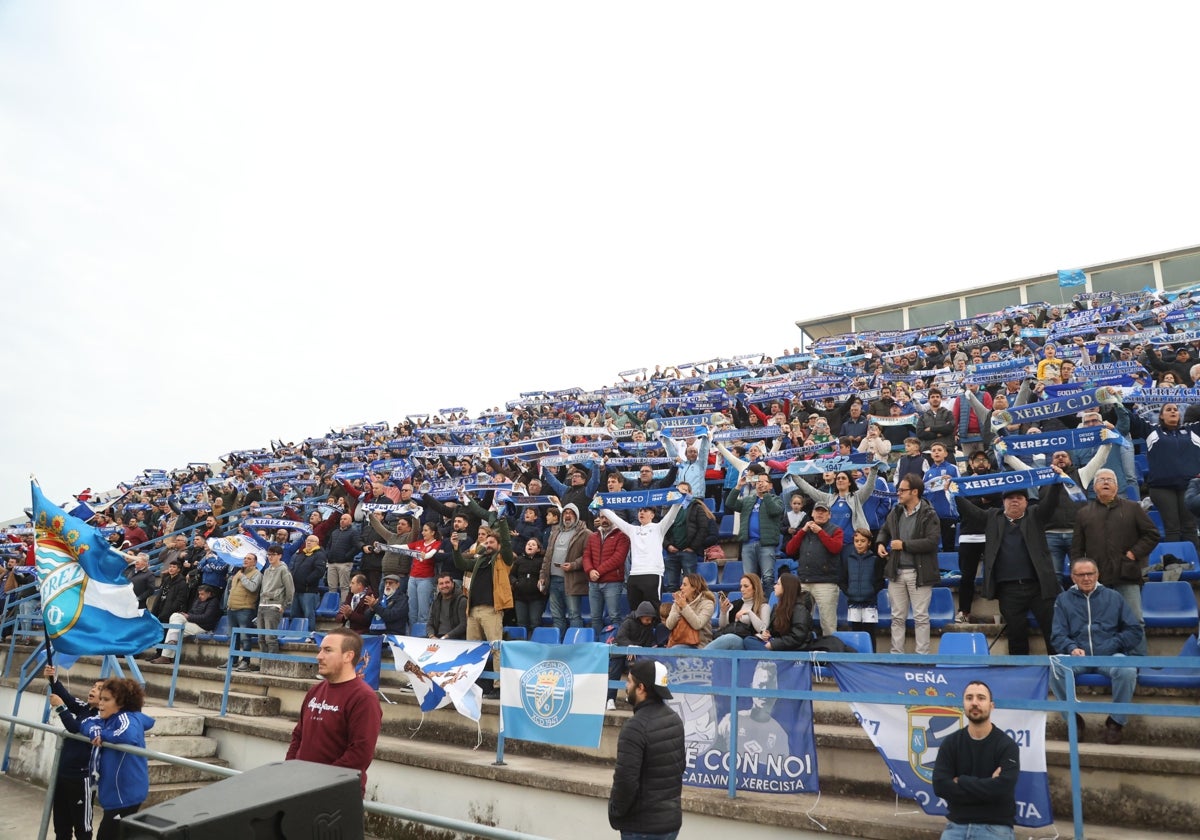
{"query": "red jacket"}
pixel 606 556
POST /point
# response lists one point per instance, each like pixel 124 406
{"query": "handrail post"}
pixel 500 727
pixel 51 783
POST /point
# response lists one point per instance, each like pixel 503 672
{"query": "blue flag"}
pixel 1071 277
pixel 908 737
pixel 87 604
pixel 371 661
pixel 554 694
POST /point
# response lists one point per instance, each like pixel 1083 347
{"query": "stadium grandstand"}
pixel 1099 364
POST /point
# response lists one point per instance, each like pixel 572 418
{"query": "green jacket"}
pixel 500 564
pixel 770 515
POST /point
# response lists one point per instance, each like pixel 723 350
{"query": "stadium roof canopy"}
pixel 1165 271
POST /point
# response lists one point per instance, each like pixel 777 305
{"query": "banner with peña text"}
pixel 908 736
pixel 776 752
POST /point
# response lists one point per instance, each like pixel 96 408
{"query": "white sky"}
pixel 226 222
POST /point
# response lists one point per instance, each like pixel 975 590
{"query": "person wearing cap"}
pixel 637 630
pixel 1018 569
pixel 275 593
pixel 817 548
pixel 391 607
pixel 648 778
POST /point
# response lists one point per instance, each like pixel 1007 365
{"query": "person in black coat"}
pixel 172 592
pixel 1018 570
pixel 648 777
pixel 72 788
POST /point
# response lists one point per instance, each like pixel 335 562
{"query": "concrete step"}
pixel 171 721
pixel 184 746
pixel 163 773
pixel 253 705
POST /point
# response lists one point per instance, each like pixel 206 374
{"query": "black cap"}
pixel 652 675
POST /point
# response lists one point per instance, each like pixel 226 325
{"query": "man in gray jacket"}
pixel 276 592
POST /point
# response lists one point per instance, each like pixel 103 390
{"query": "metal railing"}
pixel 1068 706
pixel 392 811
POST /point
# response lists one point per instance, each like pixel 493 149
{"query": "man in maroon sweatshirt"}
pixel 340 718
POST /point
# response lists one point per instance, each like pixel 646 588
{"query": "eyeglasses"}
pixel 1084 574
pixel 903 489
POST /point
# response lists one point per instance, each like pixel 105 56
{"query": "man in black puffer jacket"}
pixel 648 778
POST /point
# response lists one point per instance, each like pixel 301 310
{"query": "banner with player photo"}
pixel 776 752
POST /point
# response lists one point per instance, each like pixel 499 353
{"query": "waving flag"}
pixel 88 606
pixel 442 671
pixel 233 549
pixel 1068 277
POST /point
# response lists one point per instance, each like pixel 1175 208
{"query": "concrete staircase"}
pixel 1143 788
pixel 179 732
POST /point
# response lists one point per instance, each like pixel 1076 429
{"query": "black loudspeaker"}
pixel 287 800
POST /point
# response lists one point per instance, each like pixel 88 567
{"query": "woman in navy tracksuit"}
pixel 1173 458
pixel 124 777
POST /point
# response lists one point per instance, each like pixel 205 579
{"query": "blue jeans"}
pixel 1060 546
pixel 676 566
pixel 243 618
pixel 760 559
pixel 529 613
pixel 730 641
pixel 1124 681
pixel 564 608
pixel 605 598
pixel 1132 593
pixel 420 596
pixel 638 835
pixel 977 831
pixel 305 606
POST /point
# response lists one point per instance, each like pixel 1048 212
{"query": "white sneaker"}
pixel 960 617
pixel 611 705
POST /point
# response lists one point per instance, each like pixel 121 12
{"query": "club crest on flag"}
pixel 546 692
pixel 928 726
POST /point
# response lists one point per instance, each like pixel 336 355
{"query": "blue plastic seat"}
pixel 941 608
pixel 418 629
pixel 1184 551
pixel 1169 604
pixel 708 570
pixel 726 529
pixel 860 640
pixel 579 636
pixel 297 630
pixel 731 577
pixel 545 635
pixel 516 633
pixel 222 629
pixel 963 644
pixel 1174 677
pixel 329 605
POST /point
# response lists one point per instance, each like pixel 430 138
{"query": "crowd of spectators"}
pixel 393 516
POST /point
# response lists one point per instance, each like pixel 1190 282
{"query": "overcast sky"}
pixel 223 223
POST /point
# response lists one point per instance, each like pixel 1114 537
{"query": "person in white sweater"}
pixel 645 552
